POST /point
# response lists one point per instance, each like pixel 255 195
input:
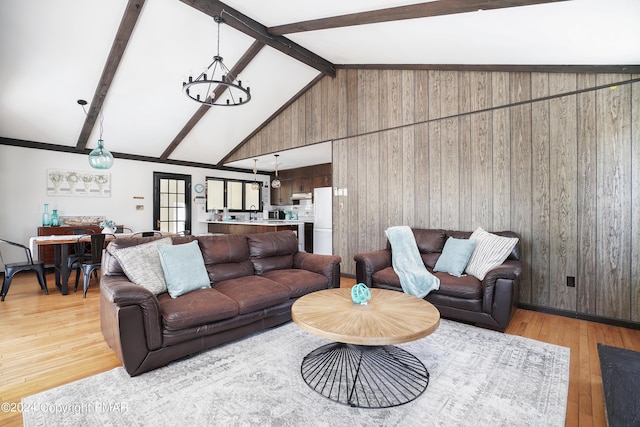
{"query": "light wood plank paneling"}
pixel 586 196
pixel 563 191
pixel 521 173
pixel 423 202
pixel 420 95
pixel 361 163
pixel 560 172
pixel 408 177
pixel 466 161
pixel 481 150
pixel 501 156
pixel 340 179
pixel 449 152
pixel 352 102
pixel 371 176
pixel 394 172
pixel 433 166
pixel 352 200
pixel 635 201
pixel 540 257
pixel 450 170
pixel 614 200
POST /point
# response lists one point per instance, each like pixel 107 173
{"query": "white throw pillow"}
pixel 491 251
pixel 141 265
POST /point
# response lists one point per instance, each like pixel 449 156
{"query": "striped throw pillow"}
pixel 490 252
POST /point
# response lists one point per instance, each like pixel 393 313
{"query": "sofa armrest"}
pixel 507 272
pixel 367 263
pixel 118 291
pixel 327 265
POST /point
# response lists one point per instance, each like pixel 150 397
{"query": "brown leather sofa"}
pixel 255 278
pixel 489 303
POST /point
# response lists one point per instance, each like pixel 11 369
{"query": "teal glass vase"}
pixel 55 220
pixel 46 219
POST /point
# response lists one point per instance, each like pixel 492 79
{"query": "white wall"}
pixel 23 192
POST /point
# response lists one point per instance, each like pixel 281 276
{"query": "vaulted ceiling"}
pixel 128 59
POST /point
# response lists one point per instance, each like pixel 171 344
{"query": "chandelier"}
pixel 276 182
pixel 254 184
pixel 215 81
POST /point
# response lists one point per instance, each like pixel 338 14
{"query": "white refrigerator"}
pixel 323 221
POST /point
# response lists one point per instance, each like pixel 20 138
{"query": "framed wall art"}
pixel 78 183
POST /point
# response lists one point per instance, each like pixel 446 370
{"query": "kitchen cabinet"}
pixel 300 180
pixel 321 181
pixel 302 185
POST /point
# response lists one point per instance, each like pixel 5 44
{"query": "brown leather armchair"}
pixel 489 303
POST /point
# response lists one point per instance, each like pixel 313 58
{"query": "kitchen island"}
pixel 258 226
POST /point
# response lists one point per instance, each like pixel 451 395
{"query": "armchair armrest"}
pixel 507 272
pixel 327 265
pixel 367 263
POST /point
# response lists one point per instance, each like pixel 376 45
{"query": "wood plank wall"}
pixel 462 149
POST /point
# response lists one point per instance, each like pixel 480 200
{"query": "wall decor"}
pixel 78 183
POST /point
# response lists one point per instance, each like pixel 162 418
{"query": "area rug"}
pixel 621 384
pixel 477 378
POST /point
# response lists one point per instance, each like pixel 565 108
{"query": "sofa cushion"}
pixel 224 248
pixel 232 270
pixel 387 276
pixel 195 308
pixel 491 251
pixel 141 265
pixel 253 292
pixel 300 282
pixel 455 256
pixel 272 251
pixel 464 287
pixel 183 268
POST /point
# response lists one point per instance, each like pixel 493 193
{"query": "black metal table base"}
pixel 365 376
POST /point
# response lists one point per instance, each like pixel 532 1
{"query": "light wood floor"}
pixel 46 341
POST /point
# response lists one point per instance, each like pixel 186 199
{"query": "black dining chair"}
pixel 120 230
pixel 81 251
pixel 147 234
pixel 11 269
pixel 93 265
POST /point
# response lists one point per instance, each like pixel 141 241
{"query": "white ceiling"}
pixel 53 53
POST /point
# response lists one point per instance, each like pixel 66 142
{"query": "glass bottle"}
pixel 55 220
pixel 46 219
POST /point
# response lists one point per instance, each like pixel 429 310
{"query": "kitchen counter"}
pixel 265 222
pixel 258 226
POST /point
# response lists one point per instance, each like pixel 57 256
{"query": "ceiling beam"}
pixel 199 114
pixel 420 10
pixel 127 24
pixel 254 29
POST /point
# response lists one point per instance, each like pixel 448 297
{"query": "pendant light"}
pixel 276 182
pixel 99 157
pixel 255 186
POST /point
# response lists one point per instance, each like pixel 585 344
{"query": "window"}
pixel 236 195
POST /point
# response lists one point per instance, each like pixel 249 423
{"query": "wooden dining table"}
pixel 61 252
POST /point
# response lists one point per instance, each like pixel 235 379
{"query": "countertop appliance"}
pixel 276 215
pixel 323 221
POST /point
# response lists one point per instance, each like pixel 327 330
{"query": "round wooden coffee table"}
pixel 363 368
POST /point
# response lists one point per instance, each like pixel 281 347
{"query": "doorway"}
pixel 172 202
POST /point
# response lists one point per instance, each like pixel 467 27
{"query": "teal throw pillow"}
pixel 183 267
pixel 455 256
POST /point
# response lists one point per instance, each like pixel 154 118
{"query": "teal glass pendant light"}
pixel 100 157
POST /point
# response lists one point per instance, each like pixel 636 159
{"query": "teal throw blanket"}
pixel 407 263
